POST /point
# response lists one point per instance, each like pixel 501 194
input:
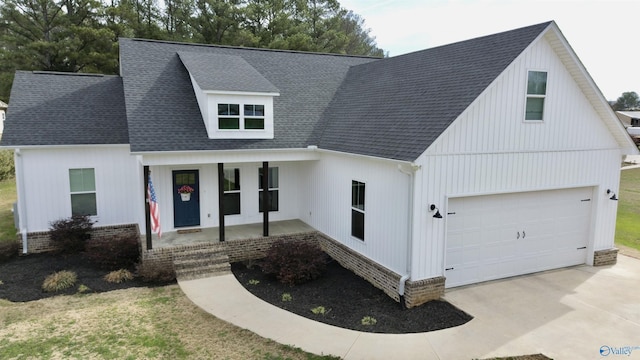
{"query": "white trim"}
pixel 69 146
pixel 521 190
pixel 190 158
pixel 240 93
pixel 518 151
pixel 371 157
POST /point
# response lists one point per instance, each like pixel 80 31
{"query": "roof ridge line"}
pixel 43 72
pixel 249 48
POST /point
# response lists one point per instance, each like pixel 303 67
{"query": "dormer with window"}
pixel 235 100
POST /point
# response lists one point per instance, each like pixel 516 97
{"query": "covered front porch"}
pixel 211 235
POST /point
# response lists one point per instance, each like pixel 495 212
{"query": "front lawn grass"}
pixel 628 221
pixel 7 198
pixel 135 323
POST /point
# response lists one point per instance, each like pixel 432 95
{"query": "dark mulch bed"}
pixel 347 299
pixel 22 277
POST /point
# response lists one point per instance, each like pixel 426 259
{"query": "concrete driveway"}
pixel 564 314
pixel 571 313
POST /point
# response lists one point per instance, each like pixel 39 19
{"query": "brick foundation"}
pixel 416 292
pixel 237 250
pixel 38 242
pixel 419 292
pixel 605 257
pixel 256 248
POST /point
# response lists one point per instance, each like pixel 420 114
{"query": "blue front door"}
pixel 186 208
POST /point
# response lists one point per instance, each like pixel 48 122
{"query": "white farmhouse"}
pixel 483 159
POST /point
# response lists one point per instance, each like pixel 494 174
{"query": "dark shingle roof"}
pixel 391 108
pixel 163 113
pixel 225 73
pixel 65 109
pixel 395 108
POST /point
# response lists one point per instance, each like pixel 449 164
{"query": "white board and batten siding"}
pixel 491 151
pixel 327 205
pixel 118 178
pixel 289 193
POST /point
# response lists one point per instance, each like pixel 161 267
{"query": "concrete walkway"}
pixel 565 314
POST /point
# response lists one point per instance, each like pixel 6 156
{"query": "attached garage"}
pixel 498 236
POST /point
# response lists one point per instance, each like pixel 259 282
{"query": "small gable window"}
pixel 241 117
pixel 536 93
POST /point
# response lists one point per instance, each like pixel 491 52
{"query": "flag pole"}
pixel 147 212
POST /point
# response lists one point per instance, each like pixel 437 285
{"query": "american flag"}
pixel 153 209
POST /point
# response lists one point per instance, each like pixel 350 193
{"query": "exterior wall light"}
pixel 437 215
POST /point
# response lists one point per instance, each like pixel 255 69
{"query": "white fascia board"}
pixel 370 157
pixel 592 91
pixel 226 156
pixel 240 93
pixel 70 146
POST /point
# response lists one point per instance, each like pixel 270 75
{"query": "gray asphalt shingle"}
pixel 65 109
pixel 390 108
pixel 395 108
pixel 163 114
pixel 225 73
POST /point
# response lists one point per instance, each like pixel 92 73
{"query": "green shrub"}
pixel 71 234
pixel 115 253
pixel 156 272
pixel 59 281
pixel 294 263
pixel 368 321
pixel 7 167
pixel 118 276
pixel 320 310
pixel 9 249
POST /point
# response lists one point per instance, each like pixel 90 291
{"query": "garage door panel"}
pixel 496 236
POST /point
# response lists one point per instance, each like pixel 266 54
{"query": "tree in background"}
pixel 628 101
pixel 82 35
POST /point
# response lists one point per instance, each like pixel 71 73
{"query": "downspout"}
pixel 22 214
pixel 407 275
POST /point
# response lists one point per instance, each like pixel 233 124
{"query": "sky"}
pixel 604 34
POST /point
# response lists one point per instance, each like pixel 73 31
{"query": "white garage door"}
pixel 497 236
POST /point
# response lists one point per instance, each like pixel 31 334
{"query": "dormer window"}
pixel 235 99
pixel 254 117
pixel 236 117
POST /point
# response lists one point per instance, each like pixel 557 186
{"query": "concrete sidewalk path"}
pixel 570 313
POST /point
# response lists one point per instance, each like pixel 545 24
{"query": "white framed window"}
pixel 357 209
pixel 231 191
pixel 241 116
pixel 536 94
pixel 82 184
pixel 273 189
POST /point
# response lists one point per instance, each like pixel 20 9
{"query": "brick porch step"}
pixel 201 263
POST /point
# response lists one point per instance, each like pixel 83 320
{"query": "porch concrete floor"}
pixel 234 232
